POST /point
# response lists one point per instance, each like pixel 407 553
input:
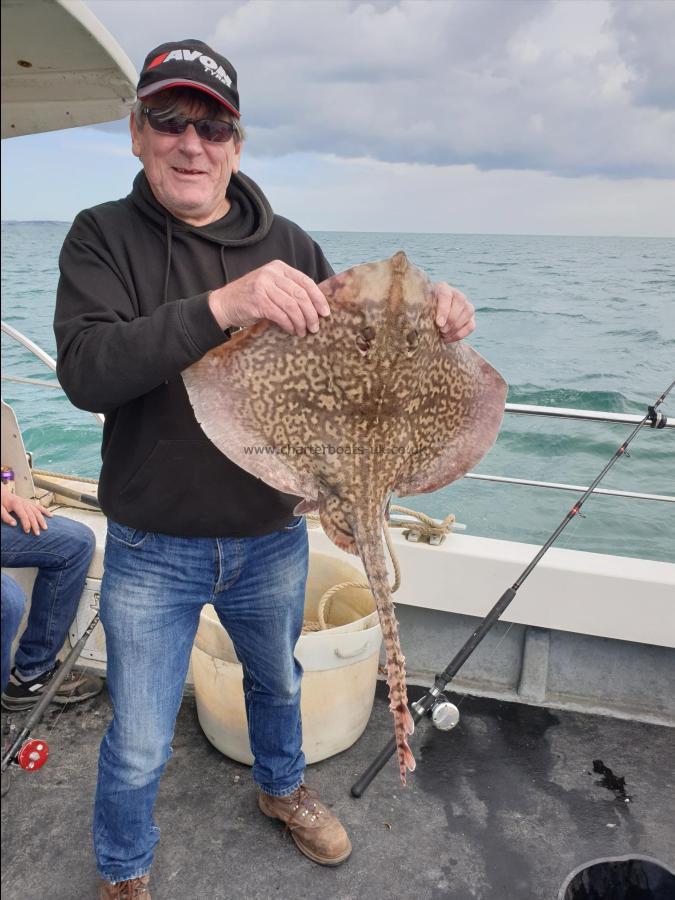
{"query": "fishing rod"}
pixel 32 755
pixel 71 493
pixel 434 702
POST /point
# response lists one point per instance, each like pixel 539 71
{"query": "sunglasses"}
pixel 213 130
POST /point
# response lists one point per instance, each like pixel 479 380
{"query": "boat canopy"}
pixel 60 68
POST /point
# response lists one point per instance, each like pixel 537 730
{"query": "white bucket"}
pixel 340 665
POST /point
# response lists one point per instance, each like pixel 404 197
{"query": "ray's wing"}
pixel 456 425
pixel 237 393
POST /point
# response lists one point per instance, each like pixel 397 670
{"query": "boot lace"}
pixel 305 807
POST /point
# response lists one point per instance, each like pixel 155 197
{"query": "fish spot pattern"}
pixel 373 403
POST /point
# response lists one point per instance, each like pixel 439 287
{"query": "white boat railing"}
pixel 587 415
pixel 44 357
pixel 578 488
pixel 518 409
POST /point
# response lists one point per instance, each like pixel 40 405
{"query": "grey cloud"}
pixel 562 87
pixel 645 32
pixel 140 25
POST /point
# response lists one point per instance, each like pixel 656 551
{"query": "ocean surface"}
pixel 568 321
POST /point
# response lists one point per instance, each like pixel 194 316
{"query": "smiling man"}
pixel 148 285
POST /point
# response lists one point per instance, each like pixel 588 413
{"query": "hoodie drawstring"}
pixel 169 238
pixel 222 263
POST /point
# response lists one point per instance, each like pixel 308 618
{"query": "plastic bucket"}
pixel 620 878
pixel 340 669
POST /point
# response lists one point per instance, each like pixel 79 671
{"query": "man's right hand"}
pixel 275 291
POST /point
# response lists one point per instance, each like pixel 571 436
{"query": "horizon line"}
pixel 430 233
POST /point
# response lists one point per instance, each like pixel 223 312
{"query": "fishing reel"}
pixel 442 712
pixel 33 755
pixel 656 419
pixel 30 756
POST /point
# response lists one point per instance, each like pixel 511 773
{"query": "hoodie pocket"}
pixel 174 488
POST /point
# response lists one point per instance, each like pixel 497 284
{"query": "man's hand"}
pixel 454 313
pixel 275 291
pixel 30 515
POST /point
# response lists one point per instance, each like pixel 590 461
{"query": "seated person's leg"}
pixel 62 554
pixel 13 603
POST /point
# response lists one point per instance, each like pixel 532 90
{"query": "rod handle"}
pixel 376 765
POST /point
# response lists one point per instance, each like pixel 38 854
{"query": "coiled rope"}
pixel 425 529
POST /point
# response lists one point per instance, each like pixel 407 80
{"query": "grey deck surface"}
pixel 502 808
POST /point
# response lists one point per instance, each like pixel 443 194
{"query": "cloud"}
pixel 645 34
pixel 573 89
pixel 329 192
pixel 141 25
pixel 498 85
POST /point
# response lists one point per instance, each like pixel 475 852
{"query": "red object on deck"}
pixel 33 755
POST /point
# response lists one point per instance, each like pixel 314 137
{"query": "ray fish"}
pixel 373 403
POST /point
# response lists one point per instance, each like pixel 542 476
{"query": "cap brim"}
pixel 172 83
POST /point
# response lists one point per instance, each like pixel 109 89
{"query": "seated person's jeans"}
pixel 62 554
pixel 13 602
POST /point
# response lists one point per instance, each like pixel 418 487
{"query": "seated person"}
pixel 61 552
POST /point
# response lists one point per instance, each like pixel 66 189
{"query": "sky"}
pixel 461 116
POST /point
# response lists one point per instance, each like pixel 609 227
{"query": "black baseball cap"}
pixel 192 64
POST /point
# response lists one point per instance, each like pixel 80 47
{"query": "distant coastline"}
pixel 632 237
pixel 35 222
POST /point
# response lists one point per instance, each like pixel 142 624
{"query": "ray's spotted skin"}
pixel 373 403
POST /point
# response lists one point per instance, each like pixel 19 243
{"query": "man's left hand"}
pixel 30 515
pixel 454 313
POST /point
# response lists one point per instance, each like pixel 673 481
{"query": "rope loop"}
pixel 429 530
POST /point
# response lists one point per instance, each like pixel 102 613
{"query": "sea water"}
pixel 585 322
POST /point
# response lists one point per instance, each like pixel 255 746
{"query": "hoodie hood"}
pixel 247 222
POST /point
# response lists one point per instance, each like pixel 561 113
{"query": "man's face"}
pixel 188 176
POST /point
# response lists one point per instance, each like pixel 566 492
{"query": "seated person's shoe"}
pixel 315 830
pixel 77 686
pixel 134 889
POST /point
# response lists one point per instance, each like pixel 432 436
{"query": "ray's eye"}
pixel 412 339
pixel 364 337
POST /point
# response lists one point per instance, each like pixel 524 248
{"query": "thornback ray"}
pixel 373 403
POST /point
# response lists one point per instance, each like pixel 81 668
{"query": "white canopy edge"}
pixel 60 68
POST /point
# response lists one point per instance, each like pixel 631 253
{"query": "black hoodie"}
pixel 131 313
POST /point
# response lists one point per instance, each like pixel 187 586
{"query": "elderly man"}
pixel 148 285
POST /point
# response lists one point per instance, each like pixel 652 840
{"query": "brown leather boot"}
pixel 315 830
pixel 134 889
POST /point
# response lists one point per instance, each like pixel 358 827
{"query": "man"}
pixel 62 553
pixel 148 285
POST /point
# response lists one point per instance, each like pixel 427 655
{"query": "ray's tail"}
pixel 368 539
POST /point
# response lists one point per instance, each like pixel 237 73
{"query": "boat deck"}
pixel 501 808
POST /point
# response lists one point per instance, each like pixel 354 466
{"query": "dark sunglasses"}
pixel 214 130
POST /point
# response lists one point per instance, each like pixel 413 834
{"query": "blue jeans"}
pixel 153 590
pixel 62 554
pixel 13 602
